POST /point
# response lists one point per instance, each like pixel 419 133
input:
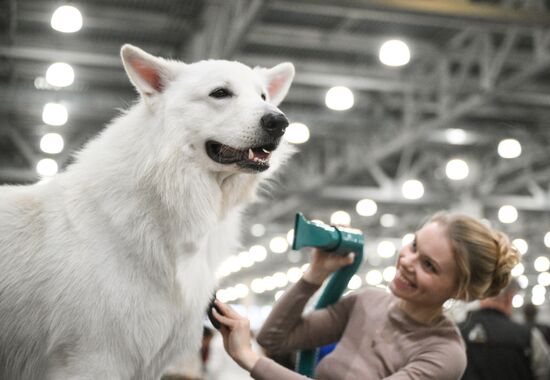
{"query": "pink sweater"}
pixel 376 339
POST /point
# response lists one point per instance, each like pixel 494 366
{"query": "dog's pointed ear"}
pixel 278 80
pixel 147 73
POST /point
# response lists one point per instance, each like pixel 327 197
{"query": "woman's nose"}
pixel 406 258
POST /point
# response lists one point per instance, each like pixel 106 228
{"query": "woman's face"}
pixel 426 270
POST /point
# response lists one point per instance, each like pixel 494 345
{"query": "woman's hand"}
pixel 323 264
pixel 235 330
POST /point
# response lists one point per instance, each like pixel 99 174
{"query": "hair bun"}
pixel 507 257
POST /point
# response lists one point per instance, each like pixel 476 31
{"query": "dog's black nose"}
pixel 274 123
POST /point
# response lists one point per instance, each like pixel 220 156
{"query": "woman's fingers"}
pixel 227 310
pixel 223 319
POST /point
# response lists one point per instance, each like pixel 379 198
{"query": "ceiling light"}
pixel 246 259
pixel 340 218
pixel 51 143
pixel 280 279
pixel 412 189
pixel 294 274
pixel 388 220
pixel 386 249
pixel 547 239
pixel 517 301
pixel 354 282
pixel 374 277
pixel 518 270
pixel 54 114
pixel 541 264
pixel 258 252
pixel 521 245
pixel 297 133
pixel 60 74
pixel 257 230
pixel 389 273
pixel 456 136
pixel 366 207
pixel 46 167
pixel 544 279
pixel 394 53
pixel 290 236
pixel 456 169
pixel 507 214
pixel 523 281
pixel 509 148
pixel 408 238
pixel 339 98
pixel 278 244
pixel 67 19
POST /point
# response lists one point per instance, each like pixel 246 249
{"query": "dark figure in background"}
pixel 499 348
pixel 530 314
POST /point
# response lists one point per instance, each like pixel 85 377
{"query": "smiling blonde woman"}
pixel 402 335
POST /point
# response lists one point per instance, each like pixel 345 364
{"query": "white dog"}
pixel 106 271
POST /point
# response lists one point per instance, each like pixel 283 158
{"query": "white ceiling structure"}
pixel 480 66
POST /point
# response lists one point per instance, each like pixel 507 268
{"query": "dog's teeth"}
pixel 250 154
pixel 266 151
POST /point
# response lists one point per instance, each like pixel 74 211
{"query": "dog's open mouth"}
pixel 253 158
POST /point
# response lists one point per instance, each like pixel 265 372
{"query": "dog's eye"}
pixel 263 96
pixel 221 93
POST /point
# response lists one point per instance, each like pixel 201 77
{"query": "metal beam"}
pixel 438 13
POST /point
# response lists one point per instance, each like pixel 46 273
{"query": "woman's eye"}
pixel 429 266
pixel 263 96
pixel 221 93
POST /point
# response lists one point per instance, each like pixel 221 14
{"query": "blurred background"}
pixel 398 109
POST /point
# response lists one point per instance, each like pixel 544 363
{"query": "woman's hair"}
pixel 484 256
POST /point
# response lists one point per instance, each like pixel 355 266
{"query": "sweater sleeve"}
pixel 267 369
pixel 286 329
pixel 441 362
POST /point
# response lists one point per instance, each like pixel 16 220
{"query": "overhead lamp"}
pixel 340 218
pixel 521 245
pixel 354 282
pixel 412 189
pixel 51 143
pixel 389 273
pixel 507 214
pixel 457 169
pixel 541 264
pixel 517 301
pixel 339 98
pixel 258 252
pixel 509 148
pixel 55 114
pixel 385 249
pixel 297 133
pixel 366 207
pixel 47 167
pixel 407 238
pixel 394 53
pixel 547 239
pixel 66 19
pixel 518 270
pixel 60 74
pixel 374 277
pixel 278 244
pixel 257 230
pixel 456 136
pixel 388 220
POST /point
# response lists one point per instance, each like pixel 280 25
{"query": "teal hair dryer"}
pixel 337 240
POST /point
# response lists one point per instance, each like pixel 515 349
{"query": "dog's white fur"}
pixel 106 271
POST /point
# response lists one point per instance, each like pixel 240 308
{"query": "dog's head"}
pixel 222 114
